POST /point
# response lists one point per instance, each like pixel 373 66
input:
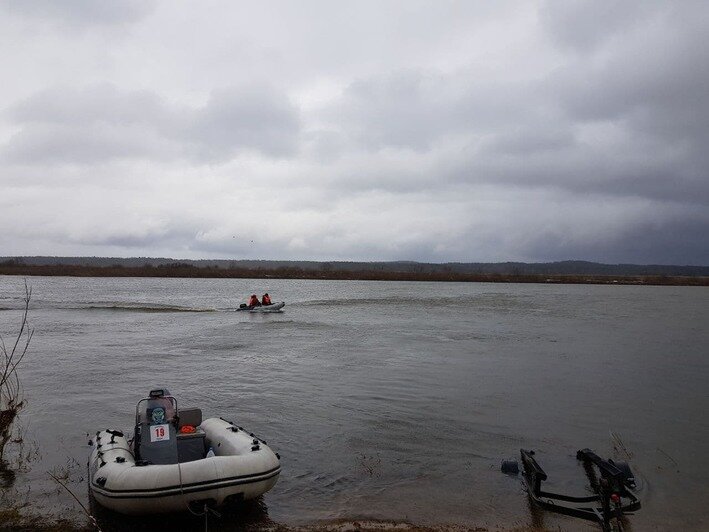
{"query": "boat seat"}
pixel 190 416
pixel 191 445
pixel 157 443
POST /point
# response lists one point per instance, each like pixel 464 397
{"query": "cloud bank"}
pixel 404 131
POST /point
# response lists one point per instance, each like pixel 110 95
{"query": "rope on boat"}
pixel 207 510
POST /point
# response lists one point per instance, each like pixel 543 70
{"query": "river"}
pixel 385 400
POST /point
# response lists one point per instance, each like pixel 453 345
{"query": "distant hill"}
pixel 467 268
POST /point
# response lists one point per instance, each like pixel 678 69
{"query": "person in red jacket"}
pixel 253 301
pixel 266 299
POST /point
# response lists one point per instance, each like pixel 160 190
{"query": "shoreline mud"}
pixel 13 520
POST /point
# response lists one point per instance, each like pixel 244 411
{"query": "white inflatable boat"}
pixel 276 307
pixel 177 461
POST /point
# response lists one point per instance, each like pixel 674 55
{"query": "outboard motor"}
pixel 155 429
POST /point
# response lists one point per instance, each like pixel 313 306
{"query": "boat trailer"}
pixel 614 496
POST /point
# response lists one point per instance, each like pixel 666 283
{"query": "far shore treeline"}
pixel 576 272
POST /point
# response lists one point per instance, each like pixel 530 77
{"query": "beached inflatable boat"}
pixel 276 307
pixel 178 461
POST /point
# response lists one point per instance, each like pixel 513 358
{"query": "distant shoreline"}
pixel 208 272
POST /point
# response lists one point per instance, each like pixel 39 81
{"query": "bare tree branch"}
pixel 11 401
pixel 86 511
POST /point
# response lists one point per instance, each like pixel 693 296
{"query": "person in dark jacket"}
pixel 253 301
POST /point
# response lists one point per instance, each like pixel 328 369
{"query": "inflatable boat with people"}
pixel 265 305
pixel 274 307
pixel 177 461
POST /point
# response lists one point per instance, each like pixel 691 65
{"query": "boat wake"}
pixel 143 307
pixel 389 301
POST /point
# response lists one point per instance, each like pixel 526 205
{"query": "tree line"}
pixel 180 269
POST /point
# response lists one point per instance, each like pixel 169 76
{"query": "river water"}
pixel 385 400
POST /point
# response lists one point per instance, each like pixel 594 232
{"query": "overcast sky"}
pixel 330 130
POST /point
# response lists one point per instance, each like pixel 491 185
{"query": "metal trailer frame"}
pixel 614 496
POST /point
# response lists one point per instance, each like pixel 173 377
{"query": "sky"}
pixel 436 131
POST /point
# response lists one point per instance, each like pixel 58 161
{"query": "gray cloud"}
pixel 398 111
pixel 94 144
pixel 414 109
pixel 99 104
pixel 168 236
pixel 585 25
pixel 639 240
pixel 102 123
pixel 77 13
pixel 526 141
pixel 513 131
pixel 233 120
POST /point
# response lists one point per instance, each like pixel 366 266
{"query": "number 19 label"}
pixel 159 432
